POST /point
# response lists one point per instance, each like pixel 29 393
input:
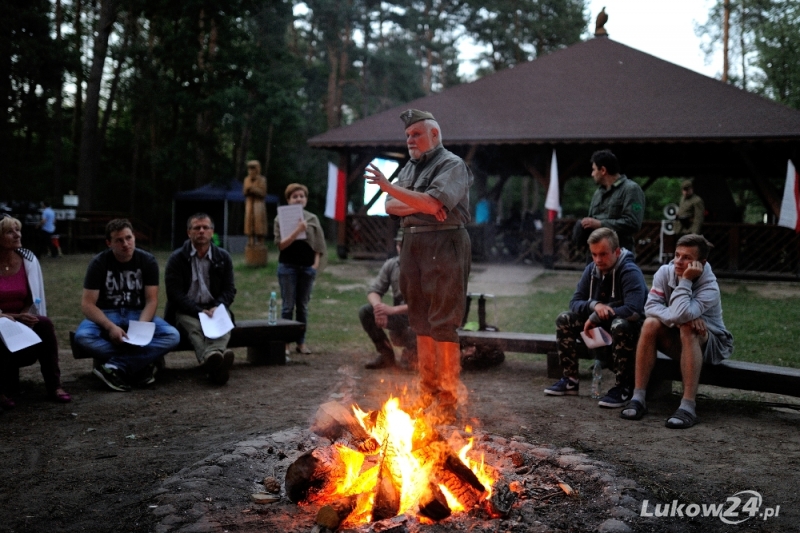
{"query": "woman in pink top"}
pixel 22 300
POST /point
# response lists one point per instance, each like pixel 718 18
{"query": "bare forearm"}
pixel 96 315
pixel 396 207
pixel 417 202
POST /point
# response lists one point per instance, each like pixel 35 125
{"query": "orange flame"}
pixel 396 432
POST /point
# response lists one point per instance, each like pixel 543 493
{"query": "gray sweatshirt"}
pixel 677 301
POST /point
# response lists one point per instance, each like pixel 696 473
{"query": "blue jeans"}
pixel 129 359
pixel 296 284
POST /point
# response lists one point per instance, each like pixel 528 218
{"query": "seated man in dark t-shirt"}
pixel 121 285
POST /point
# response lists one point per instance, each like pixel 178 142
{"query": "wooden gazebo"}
pixel 659 118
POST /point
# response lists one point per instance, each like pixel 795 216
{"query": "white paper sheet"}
pixel 288 217
pixel 597 338
pixel 17 335
pixel 140 333
pixel 218 325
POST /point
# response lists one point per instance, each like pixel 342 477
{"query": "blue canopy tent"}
pixel 224 203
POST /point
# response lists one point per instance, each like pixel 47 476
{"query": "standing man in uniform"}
pixel 691 211
pixel 617 204
pixel 432 198
pixel 199 278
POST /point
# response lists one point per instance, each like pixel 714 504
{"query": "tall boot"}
pixel 385 357
pixel 426 363
pixel 449 357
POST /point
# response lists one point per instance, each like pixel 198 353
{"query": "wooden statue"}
pixel 255 211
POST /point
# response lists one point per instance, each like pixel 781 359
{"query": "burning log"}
pixel 433 504
pixel 387 495
pixel 332 419
pixel 311 472
pixel 333 514
pixel 453 474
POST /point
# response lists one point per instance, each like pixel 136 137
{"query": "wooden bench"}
pixel 265 342
pixel 728 374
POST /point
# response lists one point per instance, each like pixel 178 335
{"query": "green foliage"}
pixel 778 46
pixel 515 31
pixel 763 44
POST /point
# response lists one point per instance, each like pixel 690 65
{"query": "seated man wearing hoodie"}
pixel 684 320
pixel 610 294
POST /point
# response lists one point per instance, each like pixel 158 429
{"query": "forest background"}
pixel 126 102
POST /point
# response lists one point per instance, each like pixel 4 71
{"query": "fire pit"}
pixel 346 474
pixel 390 462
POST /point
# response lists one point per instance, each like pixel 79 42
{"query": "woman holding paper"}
pixel 302 253
pixel 22 300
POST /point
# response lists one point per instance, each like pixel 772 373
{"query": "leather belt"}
pixel 437 227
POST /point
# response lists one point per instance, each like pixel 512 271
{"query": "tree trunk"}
pixel 90 138
pixel 726 24
pixel 77 111
pixel 205 119
pixel 57 141
pixel 112 93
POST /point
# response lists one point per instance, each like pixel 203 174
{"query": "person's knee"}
pixel 650 328
pixel 366 314
pixel 563 319
pixel 688 334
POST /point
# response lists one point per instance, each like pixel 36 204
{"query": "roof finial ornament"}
pixel 600 22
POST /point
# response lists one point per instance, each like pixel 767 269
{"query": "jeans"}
pixel 129 359
pixel 296 283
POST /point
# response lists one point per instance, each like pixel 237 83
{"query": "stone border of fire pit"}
pixel 215 494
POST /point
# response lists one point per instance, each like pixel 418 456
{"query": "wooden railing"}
pixel 370 237
pixel 740 250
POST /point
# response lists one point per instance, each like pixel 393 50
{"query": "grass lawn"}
pixel 765 324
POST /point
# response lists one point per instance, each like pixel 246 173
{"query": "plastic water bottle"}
pixel 272 314
pixel 34 309
pixel 597 378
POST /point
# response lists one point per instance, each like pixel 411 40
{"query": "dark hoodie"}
pixel 623 289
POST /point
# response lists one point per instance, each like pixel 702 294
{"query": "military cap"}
pixel 686 184
pixel 412 116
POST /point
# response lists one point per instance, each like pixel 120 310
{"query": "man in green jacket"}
pixel 618 202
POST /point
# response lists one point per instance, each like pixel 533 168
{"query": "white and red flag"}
pixel 552 203
pixel 337 192
pixel 790 206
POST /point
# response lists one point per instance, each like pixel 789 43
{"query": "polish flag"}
pixel 790 206
pixel 552 202
pixel 335 202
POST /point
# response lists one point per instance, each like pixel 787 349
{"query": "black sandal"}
pixel 639 410
pixel 687 420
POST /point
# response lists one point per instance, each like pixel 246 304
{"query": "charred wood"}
pixel 433 504
pixel 502 499
pixel 333 419
pixel 311 472
pixel 334 513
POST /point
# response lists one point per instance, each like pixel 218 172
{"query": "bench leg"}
pixel 270 353
pixel 554 369
pixel 659 389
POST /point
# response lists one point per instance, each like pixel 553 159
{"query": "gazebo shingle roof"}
pixel 597 90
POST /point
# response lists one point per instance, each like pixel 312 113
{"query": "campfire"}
pixel 391 462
